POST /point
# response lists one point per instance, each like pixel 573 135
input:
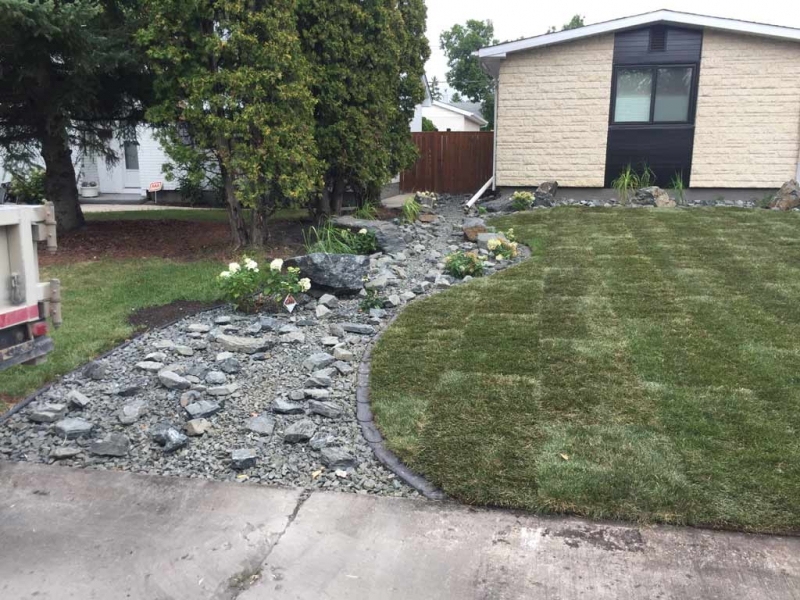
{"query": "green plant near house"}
pixel 626 184
pixel 647 177
pixel 460 264
pixel 482 211
pixel 335 240
pixel 677 185
pixel 367 212
pixel 27 185
pixel 411 209
pixel 521 200
pixel 427 125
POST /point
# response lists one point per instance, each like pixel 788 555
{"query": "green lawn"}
pixel 643 365
pixel 97 298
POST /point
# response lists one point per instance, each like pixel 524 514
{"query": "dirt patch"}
pixel 158 316
pixel 171 239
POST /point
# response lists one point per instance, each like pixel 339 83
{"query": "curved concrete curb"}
pixel 373 435
pixel 25 401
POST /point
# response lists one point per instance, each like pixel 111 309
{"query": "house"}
pixel 449 117
pixel 716 101
pixel 139 165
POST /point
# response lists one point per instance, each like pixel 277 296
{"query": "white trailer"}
pixel 25 302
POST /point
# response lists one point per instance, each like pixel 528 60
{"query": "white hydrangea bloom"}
pixel 305 284
pixel 276 265
pixel 251 265
pixel 234 267
pixel 225 274
pixel 362 232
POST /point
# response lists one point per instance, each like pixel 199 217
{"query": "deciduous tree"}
pixel 465 73
pixel 232 85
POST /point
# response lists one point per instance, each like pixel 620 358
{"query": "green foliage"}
pixel 411 209
pixel 70 76
pixel 766 200
pixel 647 177
pixel 465 73
pixel 627 183
pixel 677 185
pixel 367 211
pixel 27 185
pixel 373 299
pixel 574 23
pixel 482 211
pixel 335 240
pixel 455 97
pixel 503 249
pixel 427 125
pixel 250 288
pixel 232 89
pixel 460 264
pixel 436 92
pixel 367 61
pixel 521 200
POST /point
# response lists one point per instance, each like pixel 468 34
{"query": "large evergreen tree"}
pixel 232 87
pixel 367 60
pixel 465 73
pixel 69 77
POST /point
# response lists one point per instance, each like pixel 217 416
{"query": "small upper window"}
pixel 658 39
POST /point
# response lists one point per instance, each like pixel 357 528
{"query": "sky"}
pixel 525 18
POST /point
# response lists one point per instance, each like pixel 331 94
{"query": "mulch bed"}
pixel 159 316
pixel 171 239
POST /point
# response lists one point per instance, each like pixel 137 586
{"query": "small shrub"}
pixel 427 125
pixel 502 250
pixel 367 212
pixel 371 300
pixel 334 240
pixel 411 210
pixel 482 211
pixel 27 186
pixel 460 264
pixel 250 289
pixel 677 185
pixel 521 200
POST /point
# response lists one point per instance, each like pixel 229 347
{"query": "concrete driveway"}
pixel 68 533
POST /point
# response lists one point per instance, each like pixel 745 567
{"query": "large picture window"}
pixel 653 94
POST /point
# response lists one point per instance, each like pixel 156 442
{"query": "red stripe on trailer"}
pixel 19 315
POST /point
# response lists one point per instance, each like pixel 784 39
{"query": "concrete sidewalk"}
pixel 68 533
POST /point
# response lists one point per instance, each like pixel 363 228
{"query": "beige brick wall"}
pixel 748 112
pixel 553 114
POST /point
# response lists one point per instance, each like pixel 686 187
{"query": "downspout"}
pixel 494 151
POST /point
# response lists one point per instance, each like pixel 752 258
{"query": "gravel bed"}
pixel 258 398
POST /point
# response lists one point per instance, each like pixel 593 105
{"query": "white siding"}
pixel 447 119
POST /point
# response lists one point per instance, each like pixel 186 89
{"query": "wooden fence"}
pixel 451 162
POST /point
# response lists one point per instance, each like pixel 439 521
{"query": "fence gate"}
pixel 450 162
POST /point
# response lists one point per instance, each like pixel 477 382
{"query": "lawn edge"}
pixel 373 435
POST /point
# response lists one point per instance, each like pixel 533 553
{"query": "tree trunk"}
pixel 259 234
pixel 338 195
pixel 60 184
pixel 239 234
pixel 323 205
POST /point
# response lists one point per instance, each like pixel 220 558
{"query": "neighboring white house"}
pixel 416 122
pixel 139 165
pixel 447 117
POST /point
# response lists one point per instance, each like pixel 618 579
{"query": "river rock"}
pixel 72 428
pixel 340 273
pixel 245 345
pixel 299 431
pixel 113 444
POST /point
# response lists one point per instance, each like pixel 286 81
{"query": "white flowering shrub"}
pixel 250 288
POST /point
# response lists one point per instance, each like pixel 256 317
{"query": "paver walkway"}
pixel 74 533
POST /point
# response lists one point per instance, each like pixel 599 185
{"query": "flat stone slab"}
pixel 299 431
pixel 78 400
pixel 317 361
pixel 245 345
pixel 173 381
pixel 113 444
pixel 47 413
pixel 73 428
pixel 243 458
pixel 358 328
pixel 202 409
pixel 261 425
pixel 132 411
pixel 325 409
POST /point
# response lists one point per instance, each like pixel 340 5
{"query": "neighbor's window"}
pixel 653 95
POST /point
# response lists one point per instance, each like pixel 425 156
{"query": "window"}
pixel 131 150
pixel 653 95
